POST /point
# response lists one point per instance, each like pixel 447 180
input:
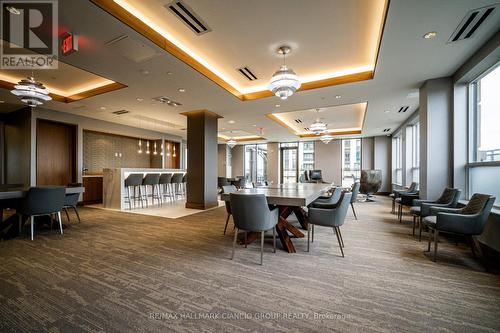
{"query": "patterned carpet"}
pixel 119 272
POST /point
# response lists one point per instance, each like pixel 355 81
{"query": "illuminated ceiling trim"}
pixel 151 32
pixel 338 131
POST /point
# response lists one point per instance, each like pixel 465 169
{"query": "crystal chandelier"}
pixel 284 81
pixel 31 92
pixel 326 138
pixel 231 143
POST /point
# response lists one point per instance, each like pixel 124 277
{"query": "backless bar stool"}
pixel 176 183
pixel 165 182
pixel 153 180
pixel 134 181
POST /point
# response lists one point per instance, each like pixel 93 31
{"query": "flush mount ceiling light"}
pixel 231 143
pixel 31 92
pixel 284 81
pixel 326 138
pixel 167 101
pixel 430 35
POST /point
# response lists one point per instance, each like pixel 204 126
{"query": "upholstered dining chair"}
pixel 42 201
pixel 332 216
pixel 251 213
pixel 354 197
pixel 333 198
pixel 467 221
pixel 228 189
pixel 71 201
pixel 421 208
pixel 397 193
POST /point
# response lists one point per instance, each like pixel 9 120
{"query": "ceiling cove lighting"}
pixel 326 138
pixel 31 92
pixel 284 82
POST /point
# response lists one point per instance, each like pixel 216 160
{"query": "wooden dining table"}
pixel 289 198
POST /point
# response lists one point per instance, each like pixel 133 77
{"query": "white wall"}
pixel 382 160
pixel 237 160
pixel 273 162
pixel 367 152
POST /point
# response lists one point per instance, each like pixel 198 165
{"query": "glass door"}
pixel 289 164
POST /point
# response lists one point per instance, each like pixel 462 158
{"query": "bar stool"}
pixel 176 183
pixel 184 183
pixel 153 180
pixel 134 181
pixel 165 185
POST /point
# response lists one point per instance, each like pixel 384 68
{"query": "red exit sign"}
pixel 69 43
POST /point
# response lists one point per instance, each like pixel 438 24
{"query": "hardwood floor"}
pixel 119 272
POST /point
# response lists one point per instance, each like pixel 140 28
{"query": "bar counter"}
pixel 113 189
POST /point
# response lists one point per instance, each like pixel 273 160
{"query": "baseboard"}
pixel 204 205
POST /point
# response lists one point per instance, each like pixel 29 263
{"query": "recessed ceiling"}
pixel 239 135
pixel 340 119
pixel 246 34
pixel 67 83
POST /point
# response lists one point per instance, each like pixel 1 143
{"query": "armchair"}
pixel 467 221
pixel 370 183
pixel 405 199
pixel 332 216
pixel 397 193
pixel 328 200
pixel 421 208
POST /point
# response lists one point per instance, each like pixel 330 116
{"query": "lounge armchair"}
pixel 370 183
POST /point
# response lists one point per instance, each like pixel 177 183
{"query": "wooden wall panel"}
pixel 171 161
pixel 55 153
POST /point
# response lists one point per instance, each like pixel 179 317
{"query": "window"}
pixel 295 158
pixel 397 160
pixel 256 163
pixel 415 152
pixel 306 156
pixel 351 161
pixel 484 140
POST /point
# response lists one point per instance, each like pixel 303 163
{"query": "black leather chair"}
pixel 467 221
pixel 222 181
pixel 370 183
pixel 251 213
pixel 421 208
pixel 332 216
pixel 42 201
pixel 228 189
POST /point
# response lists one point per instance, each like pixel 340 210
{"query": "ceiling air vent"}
pixel 167 101
pixel 386 130
pixel 120 112
pixel 298 121
pixel 188 17
pixel 403 109
pixel 246 72
pixel 306 128
pixel 470 23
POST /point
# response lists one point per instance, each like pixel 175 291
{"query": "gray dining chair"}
pixel 354 197
pixel 421 208
pixel 42 201
pixel 332 216
pixel 326 201
pixel 251 213
pixel 467 221
pixel 71 201
pixel 228 189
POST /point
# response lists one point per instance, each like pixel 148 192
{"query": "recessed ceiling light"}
pixel 181 90
pixel 338 96
pixel 430 35
pixel 139 99
pixel 231 121
pixel 277 105
pixel 387 111
pixel 102 108
pixel 2 102
pixel 144 71
pixel 254 125
pixel 13 10
pixel 169 73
